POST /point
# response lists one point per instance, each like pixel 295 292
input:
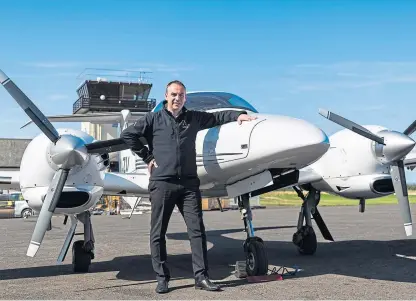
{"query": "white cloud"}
pixel 53 64
pixel 161 67
pixel 67 64
pixel 44 76
pixel 56 97
pixel 349 75
pixel 369 108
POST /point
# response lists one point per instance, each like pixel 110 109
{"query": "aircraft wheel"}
pixel 305 240
pixel 256 258
pixel 81 260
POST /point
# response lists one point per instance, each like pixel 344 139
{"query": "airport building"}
pixel 12 152
pixel 103 92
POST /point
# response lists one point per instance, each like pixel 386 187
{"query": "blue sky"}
pixel 356 58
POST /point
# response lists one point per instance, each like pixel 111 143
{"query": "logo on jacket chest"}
pixel 183 125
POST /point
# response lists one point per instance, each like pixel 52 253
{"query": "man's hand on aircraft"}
pixel 245 117
pixel 150 165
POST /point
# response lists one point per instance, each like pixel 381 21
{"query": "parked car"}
pixel 20 206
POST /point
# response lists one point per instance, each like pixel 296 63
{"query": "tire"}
pixel 26 213
pixel 256 259
pixel 308 242
pixel 81 260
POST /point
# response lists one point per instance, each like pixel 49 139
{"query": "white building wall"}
pixel 102 132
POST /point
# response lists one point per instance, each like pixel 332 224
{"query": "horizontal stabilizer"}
pixel 110 117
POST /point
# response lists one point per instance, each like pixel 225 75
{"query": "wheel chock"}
pixel 265 278
pixel 240 272
pixel 240 269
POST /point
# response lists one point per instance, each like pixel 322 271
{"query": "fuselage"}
pixel 231 152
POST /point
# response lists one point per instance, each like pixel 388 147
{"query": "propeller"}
pixel 65 151
pixel 390 147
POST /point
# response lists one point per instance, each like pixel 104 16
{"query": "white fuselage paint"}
pixel 232 152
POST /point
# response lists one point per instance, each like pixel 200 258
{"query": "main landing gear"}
pixel 305 238
pixel 256 257
pixel 82 250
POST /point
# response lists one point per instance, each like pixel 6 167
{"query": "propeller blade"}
pixel 356 128
pixel 29 107
pixel 410 129
pixel 400 188
pixel 44 219
pixel 106 146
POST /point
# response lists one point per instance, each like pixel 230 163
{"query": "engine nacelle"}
pixel 83 188
pixel 357 187
pixel 351 168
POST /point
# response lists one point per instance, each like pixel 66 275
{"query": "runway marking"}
pixel 407 257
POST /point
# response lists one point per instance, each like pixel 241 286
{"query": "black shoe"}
pixel 162 286
pixel 206 284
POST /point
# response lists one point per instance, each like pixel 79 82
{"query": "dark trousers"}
pixel 164 195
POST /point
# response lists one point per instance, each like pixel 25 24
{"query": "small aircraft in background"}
pixel 363 162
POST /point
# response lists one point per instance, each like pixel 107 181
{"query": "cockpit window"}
pixel 201 101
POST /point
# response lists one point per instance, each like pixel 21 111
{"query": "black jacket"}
pixel 172 141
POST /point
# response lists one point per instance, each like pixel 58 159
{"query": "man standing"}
pixel 171 159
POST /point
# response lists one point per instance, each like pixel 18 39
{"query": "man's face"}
pixel 175 97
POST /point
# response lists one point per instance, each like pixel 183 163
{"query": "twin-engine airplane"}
pixel 63 171
pixel 363 162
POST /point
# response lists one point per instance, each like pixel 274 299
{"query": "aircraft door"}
pixel 224 143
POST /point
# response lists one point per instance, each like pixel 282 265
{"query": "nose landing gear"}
pixel 82 250
pixel 256 256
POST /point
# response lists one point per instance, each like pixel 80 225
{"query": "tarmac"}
pixel 371 258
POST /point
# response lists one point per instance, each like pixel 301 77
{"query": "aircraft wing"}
pixel 10 179
pixel 308 175
pixel 111 117
pixel 126 184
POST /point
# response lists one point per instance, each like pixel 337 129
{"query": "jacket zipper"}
pixel 178 156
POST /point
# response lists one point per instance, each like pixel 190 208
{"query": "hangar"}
pixel 11 152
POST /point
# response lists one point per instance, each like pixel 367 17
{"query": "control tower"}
pixel 109 90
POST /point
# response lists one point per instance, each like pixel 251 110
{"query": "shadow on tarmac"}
pixel 367 259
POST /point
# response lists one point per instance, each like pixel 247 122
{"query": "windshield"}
pixel 201 101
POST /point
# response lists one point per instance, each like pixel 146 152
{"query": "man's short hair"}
pixel 178 82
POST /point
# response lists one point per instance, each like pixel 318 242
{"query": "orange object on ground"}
pixel 265 278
